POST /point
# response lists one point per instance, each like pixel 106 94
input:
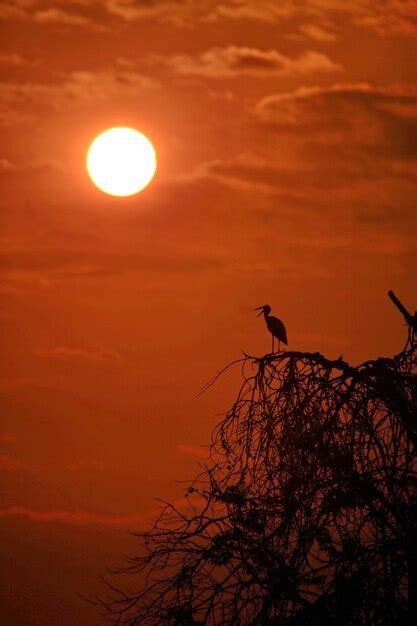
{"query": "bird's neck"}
pixel 266 315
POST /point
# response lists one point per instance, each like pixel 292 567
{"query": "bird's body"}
pixel 275 326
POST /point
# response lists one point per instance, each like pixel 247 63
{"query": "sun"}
pixel 121 161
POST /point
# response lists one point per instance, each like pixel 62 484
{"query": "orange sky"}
pixel 286 138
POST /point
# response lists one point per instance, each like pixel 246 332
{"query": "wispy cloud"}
pixel 348 115
pixel 12 10
pixel 56 15
pixel 197 451
pixel 266 11
pixel 83 518
pixel 61 16
pixel 234 61
pixel 13 59
pixel 6 165
pixel 390 17
pixel 386 18
pixel 78 88
pixel 53 267
pixel 177 12
pixel 79 466
pixel 8 462
pixel 7 438
pixel 317 33
pixel 74 517
pixel 96 354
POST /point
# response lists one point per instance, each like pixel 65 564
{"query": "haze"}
pixel 286 140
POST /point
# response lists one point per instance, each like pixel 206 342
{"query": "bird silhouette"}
pixel 275 326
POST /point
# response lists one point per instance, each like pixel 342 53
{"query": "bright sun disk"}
pixel 121 161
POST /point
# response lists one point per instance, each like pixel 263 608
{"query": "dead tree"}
pixel 305 512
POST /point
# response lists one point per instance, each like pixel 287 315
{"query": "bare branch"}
pixel 305 512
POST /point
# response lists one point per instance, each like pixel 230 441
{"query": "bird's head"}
pixel 263 309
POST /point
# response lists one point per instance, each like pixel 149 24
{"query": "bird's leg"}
pixel 272 344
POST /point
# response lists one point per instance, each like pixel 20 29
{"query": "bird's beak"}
pixel 259 308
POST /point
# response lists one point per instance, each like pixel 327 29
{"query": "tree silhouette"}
pixel 305 512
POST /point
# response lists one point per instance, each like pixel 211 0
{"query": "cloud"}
pixel 74 517
pixel 350 148
pixel 347 148
pixel 391 17
pixel 254 10
pixel 79 466
pixel 37 167
pixel 280 106
pixel 6 165
pixel 60 16
pixel 23 102
pixel 317 33
pixel 48 268
pixel 234 61
pixel 80 88
pixel 388 17
pixel 196 451
pixel 130 10
pixel 93 354
pixel 83 518
pixel 7 438
pixel 12 59
pixel 9 463
pixel 247 171
pixel 37 11
pixel 184 12
pixel 11 10
pixel 347 115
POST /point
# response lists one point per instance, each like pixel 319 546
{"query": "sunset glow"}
pixel 121 161
pixel 167 167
